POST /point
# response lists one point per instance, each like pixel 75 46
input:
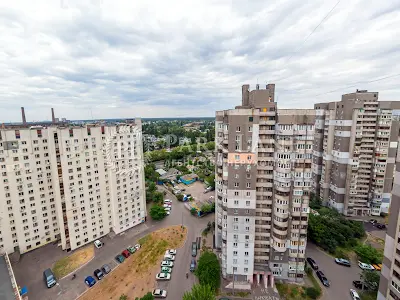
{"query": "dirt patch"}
pixel 136 275
pixel 375 242
pixel 67 265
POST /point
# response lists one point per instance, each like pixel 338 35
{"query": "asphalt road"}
pixel 340 277
pixel 28 271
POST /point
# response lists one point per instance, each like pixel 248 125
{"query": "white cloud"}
pixel 115 59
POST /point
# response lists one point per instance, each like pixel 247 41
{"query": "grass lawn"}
pixel 68 264
pixel 136 275
pixel 368 295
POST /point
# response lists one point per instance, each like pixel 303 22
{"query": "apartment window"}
pixel 246 270
pixel 236 193
pixel 236 184
pixel 234 253
pixel 246 254
pixel 235 245
pixel 238 129
pixel 236 202
pixel 247 203
pixel 235 211
pixel 248 184
pixel 247 194
pixel 250 128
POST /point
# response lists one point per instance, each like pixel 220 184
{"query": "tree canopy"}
pixel 330 230
pixel 368 254
pixel 148 296
pixel 200 292
pixel 208 270
pixel 157 212
pixel 370 279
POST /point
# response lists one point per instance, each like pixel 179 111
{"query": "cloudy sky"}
pixel 111 58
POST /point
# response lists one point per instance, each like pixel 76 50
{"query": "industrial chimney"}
pixel 53 118
pixel 23 115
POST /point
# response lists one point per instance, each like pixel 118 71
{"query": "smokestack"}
pixel 23 115
pixel 53 119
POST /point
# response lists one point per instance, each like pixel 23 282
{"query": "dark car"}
pixel 380 226
pixel 343 262
pixel 90 281
pixel 106 269
pixel 126 253
pixel 99 275
pixel 119 258
pixel 312 263
pixel 193 265
pixel 358 284
pixel 323 279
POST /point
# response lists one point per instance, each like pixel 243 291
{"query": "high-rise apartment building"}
pixel 354 153
pixel 70 184
pixel 263 185
pixel 389 285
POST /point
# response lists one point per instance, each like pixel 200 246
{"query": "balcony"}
pixel 278 231
pixel 279 248
pixel 282 189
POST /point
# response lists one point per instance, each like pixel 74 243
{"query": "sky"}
pixel 123 59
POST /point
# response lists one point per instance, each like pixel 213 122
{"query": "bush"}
pixel 368 254
pixel 208 270
pixel 340 253
pixel 312 292
pixel 179 197
pixel 157 212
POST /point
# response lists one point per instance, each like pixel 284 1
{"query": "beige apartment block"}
pixel 389 286
pixel 263 185
pixel 354 153
pixel 69 184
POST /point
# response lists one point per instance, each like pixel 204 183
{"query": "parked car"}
pixel 98 274
pixel 106 269
pixel 380 226
pixel 171 252
pixel 167 205
pixel 343 262
pixel 90 281
pixel 194 249
pixel 131 249
pixel 166 270
pixel 137 246
pixel 169 257
pixel 312 263
pixel 157 293
pixel 119 258
pixel 126 253
pixel 365 266
pixel 167 201
pixel 323 278
pixel 49 278
pixel 167 263
pixel 167 209
pixel 193 265
pixel 354 295
pixel 163 276
pixel 373 221
pixel 358 284
pixel 98 244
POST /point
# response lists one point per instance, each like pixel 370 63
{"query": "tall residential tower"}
pixel 263 185
pixel 354 153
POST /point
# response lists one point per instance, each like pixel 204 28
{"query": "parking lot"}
pixel 196 190
pixel 340 277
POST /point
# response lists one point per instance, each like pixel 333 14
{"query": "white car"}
pixel 163 276
pixel 167 209
pixel 167 205
pixel 167 201
pixel 137 246
pixel 98 244
pixel 157 293
pixel 169 257
pixel 365 266
pixel 167 263
pixel 168 212
pixel 170 252
pixel 354 295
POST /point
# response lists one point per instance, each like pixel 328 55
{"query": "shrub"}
pixel 313 293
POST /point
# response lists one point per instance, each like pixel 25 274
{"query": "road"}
pixel 28 271
pixel 340 277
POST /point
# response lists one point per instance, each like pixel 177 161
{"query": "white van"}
pixel 98 244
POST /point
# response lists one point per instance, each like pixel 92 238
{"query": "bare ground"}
pixel 136 275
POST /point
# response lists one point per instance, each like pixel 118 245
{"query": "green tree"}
pixel 148 296
pixel 158 197
pixel 208 270
pixel 313 293
pixel 370 279
pixel 193 211
pixel 200 292
pixel 157 212
pixel 210 180
pixel 152 187
pixel 123 297
pixel 179 197
pixel 368 254
pixel 206 208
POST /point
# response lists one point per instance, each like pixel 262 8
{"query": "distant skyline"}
pixel 106 59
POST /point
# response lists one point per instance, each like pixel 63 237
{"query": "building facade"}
pixel 263 185
pixel 389 285
pixel 354 153
pixel 69 184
